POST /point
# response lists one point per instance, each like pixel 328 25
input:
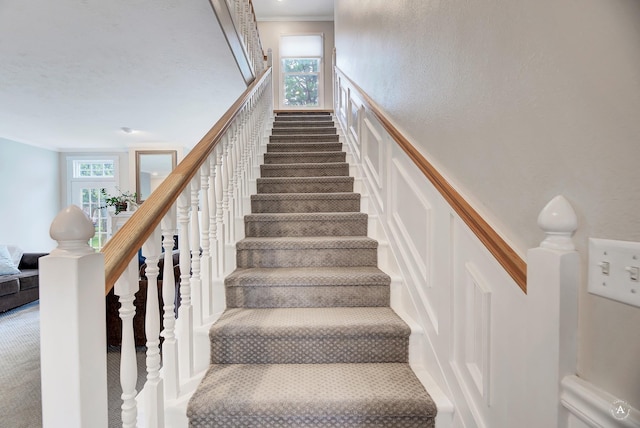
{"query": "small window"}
pixel 301 81
pixel 93 169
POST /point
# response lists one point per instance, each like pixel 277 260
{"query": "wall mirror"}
pixel 152 167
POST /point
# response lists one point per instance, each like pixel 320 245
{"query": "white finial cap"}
pixel 72 228
pixel 558 220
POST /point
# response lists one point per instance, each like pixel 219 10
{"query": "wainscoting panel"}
pixel 373 156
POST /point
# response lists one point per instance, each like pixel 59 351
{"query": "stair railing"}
pixel 201 201
pixel 238 22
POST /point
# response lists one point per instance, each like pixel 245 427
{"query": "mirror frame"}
pixel 139 153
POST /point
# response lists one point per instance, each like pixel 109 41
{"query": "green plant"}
pixel 119 201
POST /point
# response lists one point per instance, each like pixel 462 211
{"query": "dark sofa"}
pixel 21 288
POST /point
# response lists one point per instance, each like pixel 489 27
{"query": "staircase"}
pixel 308 338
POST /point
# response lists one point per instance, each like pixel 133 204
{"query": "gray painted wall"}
pixel 29 195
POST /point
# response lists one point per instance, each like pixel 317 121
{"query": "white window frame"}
pixel 319 73
pixel 74 184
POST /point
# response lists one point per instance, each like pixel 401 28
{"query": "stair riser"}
pixel 309 157
pixel 304 130
pixel 294 118
pixel 305 124
pixel 304 147
pixel 303 138
pixel 338 170
pixel 306 228
pixel 306 257
pixel 257 349
pixel 304 187
pixel 305 205
pixel 307 297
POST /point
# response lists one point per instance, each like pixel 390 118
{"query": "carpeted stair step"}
pixel 303 157
pixel 330 169
pixel 302 123
pixel 305 224
pixel 303 118
pixel 304 138
pixel 305 202
pixel 306 252
pixel 304 147
pixel 309 336
pixel 304 184
pixel 302 130
pixel 307 287
pixel 311 395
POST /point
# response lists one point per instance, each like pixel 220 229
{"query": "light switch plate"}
pixel 613 270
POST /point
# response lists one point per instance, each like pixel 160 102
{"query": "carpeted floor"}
pixel 20 400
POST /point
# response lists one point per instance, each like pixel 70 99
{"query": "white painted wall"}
pixel 270 32
pixel 29 195
pixel 515 102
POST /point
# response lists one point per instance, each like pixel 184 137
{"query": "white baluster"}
pixel 154 388
pixel 196 283
pixel 205 259
pixel 125 288
pixel 169 345
pixel 228 200
pixel 185 312
pixel 220 194
pixel 72 296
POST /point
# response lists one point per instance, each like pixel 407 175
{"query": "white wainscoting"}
pixel 474 322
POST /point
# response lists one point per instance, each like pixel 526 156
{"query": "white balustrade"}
pixel 205 217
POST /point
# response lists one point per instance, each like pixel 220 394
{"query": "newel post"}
pixel 72 326
pixel 553 272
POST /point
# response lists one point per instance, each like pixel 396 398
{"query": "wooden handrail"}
pixel 504 254
pixel 124 245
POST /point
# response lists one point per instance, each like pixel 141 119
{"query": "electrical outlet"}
pixel 614 270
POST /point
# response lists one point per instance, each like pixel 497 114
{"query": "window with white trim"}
pixel 87 176
pixel 301 70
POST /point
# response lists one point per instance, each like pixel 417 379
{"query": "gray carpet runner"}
pixel 308 338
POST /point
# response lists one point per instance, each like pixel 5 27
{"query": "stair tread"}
pixel 330 216
pixel 305 196
pixel 310 322
pixel 308 165
pixel 329 179
pixel 307 242
pixel 311 395
pixel 307 276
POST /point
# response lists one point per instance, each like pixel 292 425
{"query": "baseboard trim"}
pixel 592 405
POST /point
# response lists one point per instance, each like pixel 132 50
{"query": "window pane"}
pixel 301 89
pixel 92 169
pixel 301 65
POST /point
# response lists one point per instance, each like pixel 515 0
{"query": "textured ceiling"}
pixel 73 72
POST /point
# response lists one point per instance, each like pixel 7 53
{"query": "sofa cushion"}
pixel 28 279
pixel 7 267
pixel 9 285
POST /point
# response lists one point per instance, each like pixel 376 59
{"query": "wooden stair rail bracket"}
pixel 498 247
pixel 124 245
